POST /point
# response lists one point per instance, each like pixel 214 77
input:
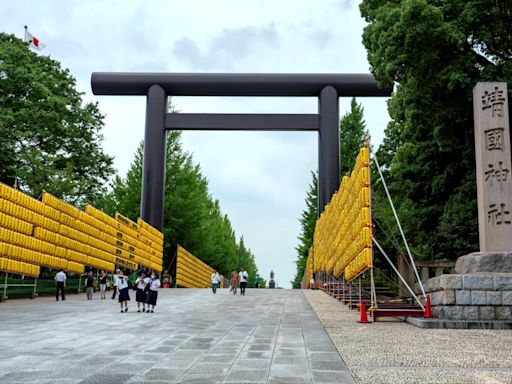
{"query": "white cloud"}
pixel 259 178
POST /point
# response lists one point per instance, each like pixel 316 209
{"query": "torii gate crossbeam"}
pixel 158 86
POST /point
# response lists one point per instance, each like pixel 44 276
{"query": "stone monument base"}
pixel 481 291
pixel 421 322
pixel 500 262
pixel 471 296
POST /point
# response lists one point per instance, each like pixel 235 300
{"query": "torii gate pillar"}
pixel 158 86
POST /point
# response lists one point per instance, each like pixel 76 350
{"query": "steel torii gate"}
pixel 158 86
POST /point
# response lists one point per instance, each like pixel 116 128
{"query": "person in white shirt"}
pixel 152 295
pixel 140 295
pixel 103 284
pixel 243 280
pixel 215 281
pixel 114 279
pixel 60 283
pixel 122 289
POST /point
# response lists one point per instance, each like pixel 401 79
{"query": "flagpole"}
pixel 25 37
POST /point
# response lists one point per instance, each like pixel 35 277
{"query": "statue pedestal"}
pixel 480 291
pixel 271 284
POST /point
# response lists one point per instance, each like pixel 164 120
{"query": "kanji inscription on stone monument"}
pixel 493 166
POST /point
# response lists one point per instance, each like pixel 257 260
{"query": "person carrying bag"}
pixel 152 293
pixel 243 276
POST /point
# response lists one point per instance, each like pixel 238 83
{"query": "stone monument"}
pixel 480 293
pixel 493 181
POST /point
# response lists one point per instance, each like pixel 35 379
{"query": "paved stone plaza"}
pixel 394 352
pixel 268 336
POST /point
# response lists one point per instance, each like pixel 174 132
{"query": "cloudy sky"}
pixel 260 178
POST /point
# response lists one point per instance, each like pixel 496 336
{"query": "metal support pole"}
pixel 153 173
pixel 400 228
pixel 350 295
pixel 34 294
pixel 398 273
pixel 328 146
pixel 5 286
pixel 360 291
pixel 373 294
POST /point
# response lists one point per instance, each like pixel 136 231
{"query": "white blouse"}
pixel 122 282
pixel 154 284
pixel 141 283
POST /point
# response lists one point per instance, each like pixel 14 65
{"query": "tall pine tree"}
pixel 353 134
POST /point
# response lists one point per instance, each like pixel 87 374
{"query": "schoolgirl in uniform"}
pixel 140 295
pixel 123 291
pixel 152 293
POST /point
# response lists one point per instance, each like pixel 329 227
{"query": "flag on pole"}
pixel 34 41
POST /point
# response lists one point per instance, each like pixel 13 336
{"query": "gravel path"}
pixel 398 352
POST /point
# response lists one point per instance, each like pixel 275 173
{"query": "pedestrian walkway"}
pixel 267 336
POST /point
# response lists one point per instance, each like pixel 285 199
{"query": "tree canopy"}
pixel 435 51
pixel 49 138
pixel 353 134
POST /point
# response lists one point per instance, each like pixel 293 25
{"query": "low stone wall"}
pixel 472 296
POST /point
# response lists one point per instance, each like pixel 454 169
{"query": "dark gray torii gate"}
pixel 158 86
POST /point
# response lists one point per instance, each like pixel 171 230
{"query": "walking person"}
pixel 140 295
pixel 103 284
pixel 60 284
pixel 89 285
pixel 152 292
pixel 123 290
pixel 234 282
pixel 114 279
pixel 215 278
pixel 243 280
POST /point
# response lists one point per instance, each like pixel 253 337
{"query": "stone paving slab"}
pixel 267 336
pixel 393 351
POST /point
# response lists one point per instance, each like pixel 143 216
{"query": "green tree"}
pixel 192 218
pixel 435 51
pixel 307 223
pixel 50 139
pixel 353 134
